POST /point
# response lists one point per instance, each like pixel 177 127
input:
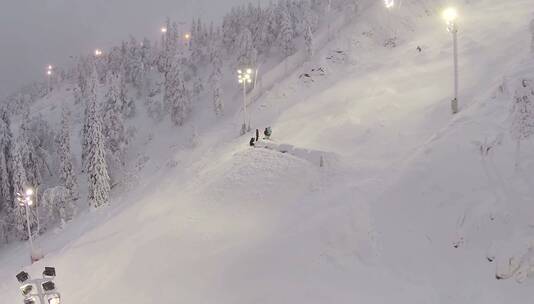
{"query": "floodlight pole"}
pixel 30 237
pixel 454 31
pixel 40 292
pixel 25 199
pixel 244 77
pixel 328 9
pixel 37 210
pixel 244 105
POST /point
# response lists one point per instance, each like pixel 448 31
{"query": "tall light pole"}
pixel 25 200
pixel 163 31
pixel 450 15
pixel 389 4
pixel 187 39
pixel 244 78
pixel 48 76
pixel 328 9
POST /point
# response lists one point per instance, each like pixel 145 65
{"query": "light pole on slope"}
pixel 450 15
pixel 244 77
pixel 48 76
pixel 163 31
pixel 26 201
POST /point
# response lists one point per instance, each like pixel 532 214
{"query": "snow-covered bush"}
pixel 59 205
pixel 522 114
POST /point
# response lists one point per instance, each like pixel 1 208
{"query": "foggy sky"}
pixel 35 33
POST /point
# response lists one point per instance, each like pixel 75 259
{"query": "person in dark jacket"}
pixel 251 142
pixel 257 134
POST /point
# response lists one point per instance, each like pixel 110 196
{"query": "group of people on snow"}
pixel 267 135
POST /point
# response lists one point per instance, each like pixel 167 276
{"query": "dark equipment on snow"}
pixel 419 49
pixel 22 276
pixel 268 132
pixel 49 286
pixel 49 272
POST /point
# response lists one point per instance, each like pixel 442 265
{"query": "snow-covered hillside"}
pixel 370 191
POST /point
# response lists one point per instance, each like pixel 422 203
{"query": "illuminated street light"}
pixel 450 15
pixel 163 30
pixel 389 3
pixel 244 78
pixel 98 52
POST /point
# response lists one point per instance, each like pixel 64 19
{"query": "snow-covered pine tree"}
pixel 196 44
pixel 177 96
pixel 212 35
pixel 310 16
pixel 286 34
pixel 123 97
pixel 147 54
pixel 172 44
pixel 135 60
pixel 198 87
pixel 129 111
pixel 271 28
pixel 5 184
pixel 91 92
pixel 57 202
pixel 170 72
pixel 308 42
pixel 115 60
pixel 30 158
pixel 113 127
pixel 215 80
pixel 6 142
pixel 247 54
pixel 154 104
pixel 96 166
pixel 522 115
pixel 67 175
pixel 19 182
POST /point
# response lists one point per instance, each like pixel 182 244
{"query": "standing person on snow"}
pixel 257 134
pixel 251 142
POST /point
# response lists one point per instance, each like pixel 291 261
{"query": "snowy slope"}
pixel 405 210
